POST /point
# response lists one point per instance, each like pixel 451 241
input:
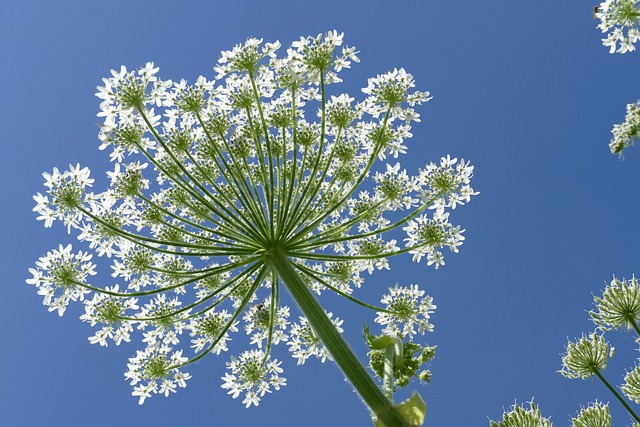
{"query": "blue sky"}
pixel 525 91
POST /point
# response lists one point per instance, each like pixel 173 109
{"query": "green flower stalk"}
pixel 223 192
pixel 587 357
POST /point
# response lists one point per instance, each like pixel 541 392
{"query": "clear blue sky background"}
pixel 522 89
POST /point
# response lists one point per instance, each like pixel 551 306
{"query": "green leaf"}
pixel 413 410
pixel 376 342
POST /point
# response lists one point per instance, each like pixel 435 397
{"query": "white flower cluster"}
pixel 616 16
pixel 108 310
pixel 254 374
pixel 60 276
pixel 66 193
pixel 155 371
pixel 315 59
pixel 257 320
pixel 304 342
pixel 446 185
pixel 586 356
pixel 390 91
pixel 619 305
pixel 595 415
pixel 519 416
pixel 210 180
pixel 428 235
pixel 407 308
pixel 627 133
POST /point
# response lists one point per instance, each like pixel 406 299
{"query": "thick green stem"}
pixel 635 326
pixel 331 338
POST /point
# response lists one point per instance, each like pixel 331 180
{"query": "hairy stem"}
pixel 377 402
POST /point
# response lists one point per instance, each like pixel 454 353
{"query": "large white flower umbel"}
pixel 233 189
